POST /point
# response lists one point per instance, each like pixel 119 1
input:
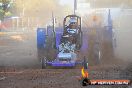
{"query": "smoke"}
pixel 123 33
pixel 41 9
pixel 110 3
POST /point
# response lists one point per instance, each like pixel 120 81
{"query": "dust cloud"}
pixel 42 9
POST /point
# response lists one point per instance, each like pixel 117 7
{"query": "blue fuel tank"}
pixel 58 38
pixel 41 37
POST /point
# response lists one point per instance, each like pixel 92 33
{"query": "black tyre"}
pixel 85 63
pixel 79 41
pixel 44 63
pixel 41 43
pixel 40 53
pixel 97 53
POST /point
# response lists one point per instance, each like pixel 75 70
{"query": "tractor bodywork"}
pixel 66 43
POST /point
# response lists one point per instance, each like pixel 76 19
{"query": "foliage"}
pixel 6 7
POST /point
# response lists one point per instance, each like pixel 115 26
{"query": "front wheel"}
pixel 44 63
pixel 85 63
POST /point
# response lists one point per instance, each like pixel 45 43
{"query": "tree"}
pixel 5 8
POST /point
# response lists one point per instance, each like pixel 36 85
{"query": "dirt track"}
pixel 19 67
pixel 18 48
pixel 59 78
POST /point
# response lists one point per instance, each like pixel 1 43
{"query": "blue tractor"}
pixel 65 42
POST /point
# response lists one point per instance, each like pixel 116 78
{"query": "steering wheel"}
pixel 71 30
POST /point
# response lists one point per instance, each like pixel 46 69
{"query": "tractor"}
pixel 65 42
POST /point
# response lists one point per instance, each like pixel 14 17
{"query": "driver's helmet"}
pixel 72 23
pixel 72 20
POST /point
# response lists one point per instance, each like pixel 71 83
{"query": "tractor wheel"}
pixel 97 53
pixel 41 43
pixel 79 41
pixel 44 63
pixel 40 53
pixel 85 63
pixel 98 57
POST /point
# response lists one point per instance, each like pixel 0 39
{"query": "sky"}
pixel 66 2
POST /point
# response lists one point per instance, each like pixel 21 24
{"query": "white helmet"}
pixel 72 20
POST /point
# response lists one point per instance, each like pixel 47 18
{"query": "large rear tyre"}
pixel 40 53
pixel 79 41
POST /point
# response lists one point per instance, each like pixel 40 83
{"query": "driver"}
pixel 72 29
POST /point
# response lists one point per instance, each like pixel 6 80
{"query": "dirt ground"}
pixel 20 68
